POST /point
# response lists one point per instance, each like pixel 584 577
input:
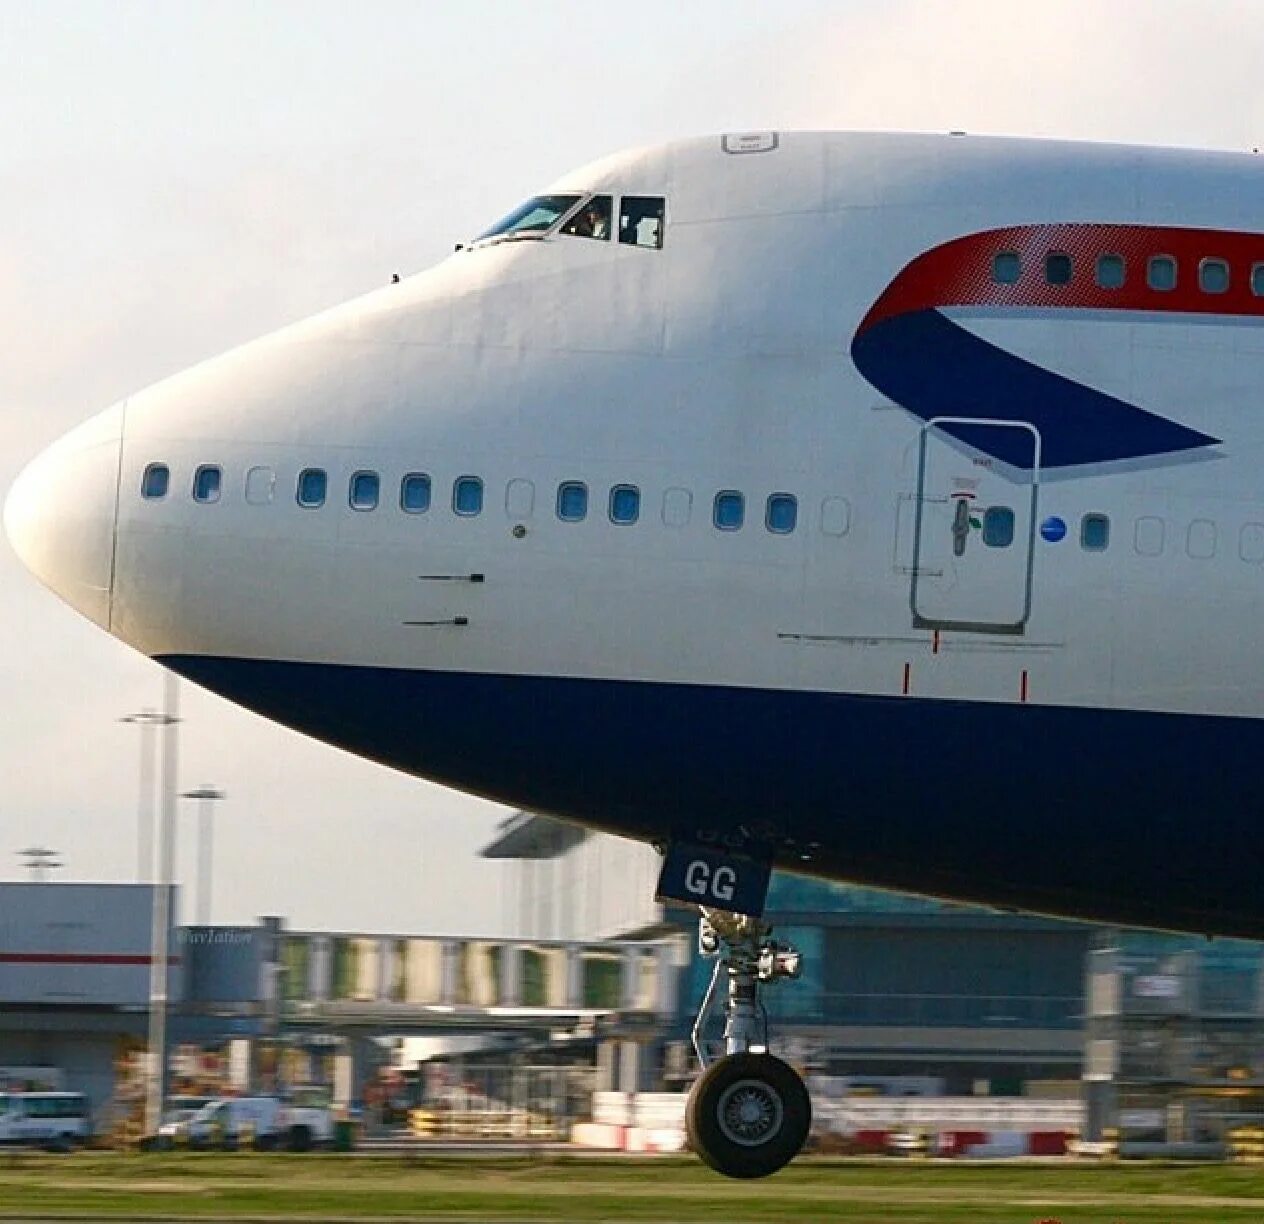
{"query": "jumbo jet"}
pixel 884 507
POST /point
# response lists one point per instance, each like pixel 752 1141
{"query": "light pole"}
pixel 40 860
pixel 146 720
pixel 156 1069
pixel 207 796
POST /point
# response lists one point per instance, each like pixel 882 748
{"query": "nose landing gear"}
pixel 749 1113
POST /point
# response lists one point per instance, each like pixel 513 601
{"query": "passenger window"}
pixel 260 486
pixel 572 501
pixel 677 507
pixel 641 221
pixel 1148 539
pixel 414 493
pixel 625 504
pixel 1251 543
pixel 835 516
pixel 729 511
pixel 592 221
pixel 1200 540
pixel 519 499
pixel 1110 271
pixel 1094 532
pixel 364 491
pixel 1058 268
pixel 1161 272
pixel 1257 279
pixel 153 484
pixel 206 483
pixel 312 483
pixel 781 513
pixel 998 527
pixel 1007 267
pixel 1213 276
pixel 467 496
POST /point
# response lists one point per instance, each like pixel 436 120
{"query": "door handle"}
pixel 960 527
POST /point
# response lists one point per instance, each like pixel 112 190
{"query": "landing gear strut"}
pixel 748 1114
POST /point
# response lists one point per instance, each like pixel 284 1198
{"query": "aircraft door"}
pixel 977 487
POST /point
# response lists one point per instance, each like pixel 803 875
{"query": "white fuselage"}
pixel 719 364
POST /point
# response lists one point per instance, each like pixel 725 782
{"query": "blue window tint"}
pixel 153 484
pixel 1007 267
pixel 467 495
pixel 1161 272
pixel 1110 271
pixel 1058 268
pixel 312 483
pixel 1094 532
pixel 572 501
pixel 414 493
pixel 729 511
pixel 998 527
pixel 1257 279
pixel 1213 276
pixel 625 504
pixel 782 513
pixel 364 491
pixel 206 483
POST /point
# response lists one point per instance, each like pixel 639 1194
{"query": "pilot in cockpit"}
pixel 592 221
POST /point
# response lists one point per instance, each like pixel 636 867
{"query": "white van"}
pixel 230 1121
pixel 56 1120
pixel 262 1121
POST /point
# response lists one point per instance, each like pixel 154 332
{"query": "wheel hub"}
pixel 749 1113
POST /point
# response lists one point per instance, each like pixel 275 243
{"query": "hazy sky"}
pixel 177 177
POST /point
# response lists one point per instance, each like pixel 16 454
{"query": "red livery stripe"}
pixel 959 273
pixel 77 958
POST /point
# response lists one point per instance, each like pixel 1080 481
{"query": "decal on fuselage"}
pixel 912 352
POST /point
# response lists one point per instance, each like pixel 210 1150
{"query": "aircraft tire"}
pixel 748 1115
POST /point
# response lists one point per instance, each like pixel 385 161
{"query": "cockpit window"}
pixel 641 221
pixel 591 221
pixel 532 219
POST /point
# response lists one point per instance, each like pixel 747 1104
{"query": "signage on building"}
pixel 1157 986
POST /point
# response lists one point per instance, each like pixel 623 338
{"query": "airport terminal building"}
pixel 892 986
pixel 898 994
pixel 274 1006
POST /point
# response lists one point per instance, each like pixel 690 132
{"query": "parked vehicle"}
pixel 264 1122
pixel 58 1121
pixel 309 1120
pixel 182 1108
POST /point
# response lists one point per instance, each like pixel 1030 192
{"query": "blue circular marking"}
pixel 1053 529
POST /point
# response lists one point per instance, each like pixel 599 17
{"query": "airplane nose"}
pixel 60 514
